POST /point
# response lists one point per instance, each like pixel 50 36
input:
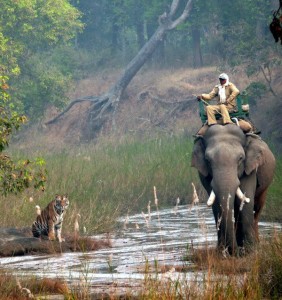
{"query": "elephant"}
pixel 236 170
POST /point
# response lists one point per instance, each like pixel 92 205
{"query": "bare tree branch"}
pixel 268 79
pixel 183 17
pixel 89 98
pixel 173 7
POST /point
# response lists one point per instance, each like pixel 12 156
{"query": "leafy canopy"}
pixel 30 31
pixel 15 176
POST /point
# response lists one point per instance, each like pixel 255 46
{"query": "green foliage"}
pixel 33 24
pixel 255 91
pixel 71 62
pixel 30 30
pixel 15 176
pixel 44 84
pixel 9 120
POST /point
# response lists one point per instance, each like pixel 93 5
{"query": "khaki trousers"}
pixel 214 109
pixel 244 125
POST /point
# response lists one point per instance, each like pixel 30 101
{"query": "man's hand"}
pixel 199 97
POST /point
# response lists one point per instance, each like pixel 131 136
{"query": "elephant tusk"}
pixel 211 198
pixel 239 193
pixel 242 196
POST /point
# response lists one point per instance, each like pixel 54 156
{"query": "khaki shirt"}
pixel 231 93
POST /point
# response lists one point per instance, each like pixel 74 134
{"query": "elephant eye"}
pixel 241 158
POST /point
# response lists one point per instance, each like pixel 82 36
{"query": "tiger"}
pixel 49 222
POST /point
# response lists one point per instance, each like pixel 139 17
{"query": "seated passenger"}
pixel 226 93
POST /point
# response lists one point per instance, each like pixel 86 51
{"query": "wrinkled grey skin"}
pixel 226 158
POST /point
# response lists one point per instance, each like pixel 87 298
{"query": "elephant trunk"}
pixel 226 229
pixel 224 207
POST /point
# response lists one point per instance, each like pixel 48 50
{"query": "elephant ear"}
pixel 198 157
pixel 255 150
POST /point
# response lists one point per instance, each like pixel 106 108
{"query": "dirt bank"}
pixel 155 101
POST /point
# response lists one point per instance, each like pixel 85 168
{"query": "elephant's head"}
pixel 227 162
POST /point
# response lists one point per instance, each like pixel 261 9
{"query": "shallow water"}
pixel 161 238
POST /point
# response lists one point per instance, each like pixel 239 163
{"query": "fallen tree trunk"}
pixel 103 107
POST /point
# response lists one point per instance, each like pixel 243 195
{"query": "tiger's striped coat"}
pixel 49 222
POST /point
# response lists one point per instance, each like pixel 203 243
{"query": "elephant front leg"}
pixel 244 214
pixel 245 227
pixel 259 203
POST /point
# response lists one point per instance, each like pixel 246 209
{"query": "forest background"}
pixel 55 51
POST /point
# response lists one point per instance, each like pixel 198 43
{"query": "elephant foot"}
pixel 244 251
pixel 238 252
pixel 246 247
pixel 227 251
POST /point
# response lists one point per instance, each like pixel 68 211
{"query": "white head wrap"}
pixel 223 76
pixel 221 88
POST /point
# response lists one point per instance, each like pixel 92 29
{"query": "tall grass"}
pixel 109 179
pixel 115 177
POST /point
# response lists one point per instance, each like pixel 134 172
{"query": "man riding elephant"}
pixel 225 92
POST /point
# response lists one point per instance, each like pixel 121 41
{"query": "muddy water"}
pixel 159 238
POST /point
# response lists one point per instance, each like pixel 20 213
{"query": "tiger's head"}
pixel 61 203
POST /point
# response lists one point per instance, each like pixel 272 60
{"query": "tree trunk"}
pixel 115 34
pixel 103 107
pixel 140 34
pixel 197 52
